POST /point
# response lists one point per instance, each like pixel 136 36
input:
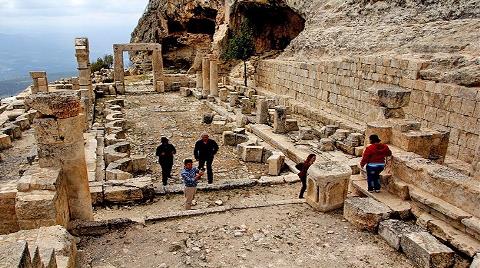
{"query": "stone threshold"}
pixel 98 228
pixel 230 185
pixel 206 211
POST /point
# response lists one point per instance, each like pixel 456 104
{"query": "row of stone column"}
pixel 207 79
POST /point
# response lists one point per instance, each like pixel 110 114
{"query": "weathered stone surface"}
pixel 252 154
pixel 61 104
pixel 365 213
pixel 327 184
pixel 392 231
pixel 5 141
pixel 14 254
pixel 390 97
pixel 275 163
pixel 306 133
pixel 291 125
pixel 426 251
pixel 326 144
pixel 279 118
pixel 476 261
pixel 185 92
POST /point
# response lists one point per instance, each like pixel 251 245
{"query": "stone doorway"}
pixel 157 64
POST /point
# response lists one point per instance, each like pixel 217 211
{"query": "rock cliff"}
pixel 445 32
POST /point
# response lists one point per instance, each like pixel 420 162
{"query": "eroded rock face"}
pixel 359 27
pixel 180 26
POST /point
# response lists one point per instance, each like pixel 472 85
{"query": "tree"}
pixel 101 63
pixel 241 46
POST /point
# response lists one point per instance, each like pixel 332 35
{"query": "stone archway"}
pixel 157 63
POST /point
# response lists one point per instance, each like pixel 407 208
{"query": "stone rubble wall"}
pixel 342 86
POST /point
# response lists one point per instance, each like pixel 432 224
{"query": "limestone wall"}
pixel 342 86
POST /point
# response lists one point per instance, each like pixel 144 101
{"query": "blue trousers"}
pixel 373 175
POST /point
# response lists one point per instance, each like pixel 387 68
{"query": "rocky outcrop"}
pixel 181 26
pixel 438 31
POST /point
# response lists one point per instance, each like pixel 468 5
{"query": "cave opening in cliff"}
pixel 274 24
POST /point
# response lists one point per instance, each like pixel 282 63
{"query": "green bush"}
pixel 105 62
pixel 240 46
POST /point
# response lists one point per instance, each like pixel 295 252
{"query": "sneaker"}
pixel 370 190
pixel 377 191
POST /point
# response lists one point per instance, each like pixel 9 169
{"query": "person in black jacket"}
pixel 205 150
pixel 165 153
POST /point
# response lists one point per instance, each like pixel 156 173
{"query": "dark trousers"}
pixel 166 170
pixel 304 186
pixel 201 164
pixel 373 176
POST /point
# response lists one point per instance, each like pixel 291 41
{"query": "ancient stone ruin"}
pixel 81 185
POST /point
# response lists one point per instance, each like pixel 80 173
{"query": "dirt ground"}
pixel 278 236
pixel 180 120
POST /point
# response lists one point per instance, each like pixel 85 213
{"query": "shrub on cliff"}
pixel 241 46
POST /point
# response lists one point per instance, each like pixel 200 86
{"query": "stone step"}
pixel 424 250
pixel 438 207
pixel 449 235
pixel 365 213
pixel 401 209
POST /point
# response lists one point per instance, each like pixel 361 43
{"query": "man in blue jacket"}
pixel 204 152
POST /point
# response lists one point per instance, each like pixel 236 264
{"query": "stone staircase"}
pixel 421 190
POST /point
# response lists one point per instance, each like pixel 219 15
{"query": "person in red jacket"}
pixel 374 158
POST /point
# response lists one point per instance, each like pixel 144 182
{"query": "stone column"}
pixel 206 76
pixel 59 134
pixel 246 106
pixel 199 82
pixel 82 53
pixel 279 120
pixel 233 99
pixel 157 64
pixel 118 74
pixel 223 94
pixel 40 82
pixel 262 110
pixel 214 77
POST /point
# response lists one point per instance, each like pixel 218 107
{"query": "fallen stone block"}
pixel 252 154
pixel 185 91
pixel 291 178
pixel 22 122
pixel 340 135
pixel 326 145
pixel 139 163
pixel 426 251
pixel 327 185
pixel 291 125
pixel 393 230
pixel 306 133
pixel 122 194
pixel 365 213
pixel 275 163
pixel 5 141
pixel 13 131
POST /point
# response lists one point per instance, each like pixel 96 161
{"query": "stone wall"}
pixel 342 86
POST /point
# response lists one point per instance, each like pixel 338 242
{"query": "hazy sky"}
pixel 104 21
